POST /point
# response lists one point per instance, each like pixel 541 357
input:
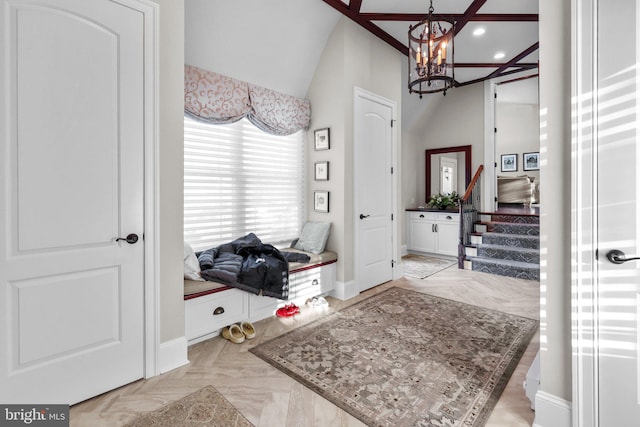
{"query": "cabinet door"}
pixel 447 238
pixel 422 236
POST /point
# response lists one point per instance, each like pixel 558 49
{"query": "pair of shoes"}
pixel 288 310
pixel 237 333
pixel 317 302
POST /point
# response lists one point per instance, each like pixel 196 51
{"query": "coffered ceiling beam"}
pixel 480 17
pixel 355 5
pixel 374 29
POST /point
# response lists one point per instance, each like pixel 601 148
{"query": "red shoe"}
pixel 288 310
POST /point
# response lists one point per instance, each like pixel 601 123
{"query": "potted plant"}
pixel 444 201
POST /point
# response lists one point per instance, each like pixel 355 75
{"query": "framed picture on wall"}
pixel 321 171
pixel 321 139
pixel 531 161
pixel 321 201
pixel 509 163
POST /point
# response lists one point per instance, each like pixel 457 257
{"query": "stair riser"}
pixel 500 253
pixel 516 219
pixel 509 271
pixel 510 240
pixel 512 228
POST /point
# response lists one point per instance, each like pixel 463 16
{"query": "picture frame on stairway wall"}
pixel 531 161
pixel 509 163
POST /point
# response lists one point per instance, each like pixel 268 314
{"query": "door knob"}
pixel 363 216
pixel 130 239
pixel 616 256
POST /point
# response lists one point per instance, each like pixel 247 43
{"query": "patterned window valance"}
pixel 214 98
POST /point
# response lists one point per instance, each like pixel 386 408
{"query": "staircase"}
pixel 507 244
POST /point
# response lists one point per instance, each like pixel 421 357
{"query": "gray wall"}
pixel 171 165
pixel 555 193
pixel 352 57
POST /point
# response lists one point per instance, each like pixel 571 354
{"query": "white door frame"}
pixel 397 270
pixel 584 292
pixel 151 308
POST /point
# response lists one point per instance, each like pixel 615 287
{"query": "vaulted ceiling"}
pixel 508 44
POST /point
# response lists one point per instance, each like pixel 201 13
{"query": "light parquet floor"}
pixel 269 398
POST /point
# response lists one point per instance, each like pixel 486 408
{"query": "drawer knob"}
pixel 449 217
pixel 218 310
pixel 315 282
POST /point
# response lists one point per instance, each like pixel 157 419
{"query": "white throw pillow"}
pixel 191 264
pixel 314 237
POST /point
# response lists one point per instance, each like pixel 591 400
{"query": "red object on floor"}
pixel 288 310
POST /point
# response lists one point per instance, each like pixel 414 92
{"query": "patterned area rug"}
pixel 421 266
pixel 206 407
pixel 402 358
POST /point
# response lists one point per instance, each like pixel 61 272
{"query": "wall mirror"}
pixel 447 169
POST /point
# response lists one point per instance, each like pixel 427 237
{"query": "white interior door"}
pixel 373 141
pixel 618 213
pixel 72 123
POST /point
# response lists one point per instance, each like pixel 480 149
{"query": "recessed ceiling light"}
pixel 479 31
pixel 499 55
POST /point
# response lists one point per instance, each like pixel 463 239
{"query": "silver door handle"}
pixel 616 256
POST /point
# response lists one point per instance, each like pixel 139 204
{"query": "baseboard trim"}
pixel 173 354
pixel 552 411
pixel 345 290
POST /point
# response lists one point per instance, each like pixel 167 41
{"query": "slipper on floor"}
pixel 248 330
pixel 233 333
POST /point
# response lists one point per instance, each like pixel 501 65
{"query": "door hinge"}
pixel 495 199
pixel 495 165
pixel 391 170
pixel 596 254
pixel 495 95
pixel 495 130
pixel 392 122
pixel 393 263
pixel 391 217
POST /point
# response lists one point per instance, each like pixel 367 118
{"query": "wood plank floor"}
pixel 269 398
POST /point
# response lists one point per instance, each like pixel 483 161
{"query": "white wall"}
pixel 452 120
pixel 352 57
pixel 518 133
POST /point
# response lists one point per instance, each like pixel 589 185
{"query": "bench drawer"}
pixel 207 314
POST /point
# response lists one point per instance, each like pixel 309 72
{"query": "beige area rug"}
pixel 402 358
pixel 206 407
pixel 421 266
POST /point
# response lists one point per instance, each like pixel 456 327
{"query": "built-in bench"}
pixel 209 306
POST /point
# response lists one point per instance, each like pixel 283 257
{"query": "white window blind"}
pixel 239 180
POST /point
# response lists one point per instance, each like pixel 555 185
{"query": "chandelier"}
pixel 431 67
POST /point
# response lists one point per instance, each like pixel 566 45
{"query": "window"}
pixel 239 180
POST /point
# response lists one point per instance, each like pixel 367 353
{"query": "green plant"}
pixel 444 201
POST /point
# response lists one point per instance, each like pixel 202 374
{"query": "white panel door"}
pixel 71 119
pixel 373 190
pixel 618 212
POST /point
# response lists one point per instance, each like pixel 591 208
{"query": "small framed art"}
pixel 321 171
pixel 321 139
pixel 321 201
pixel 509 163
pixel 531 161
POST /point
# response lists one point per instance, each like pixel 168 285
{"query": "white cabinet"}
pixel 434 232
